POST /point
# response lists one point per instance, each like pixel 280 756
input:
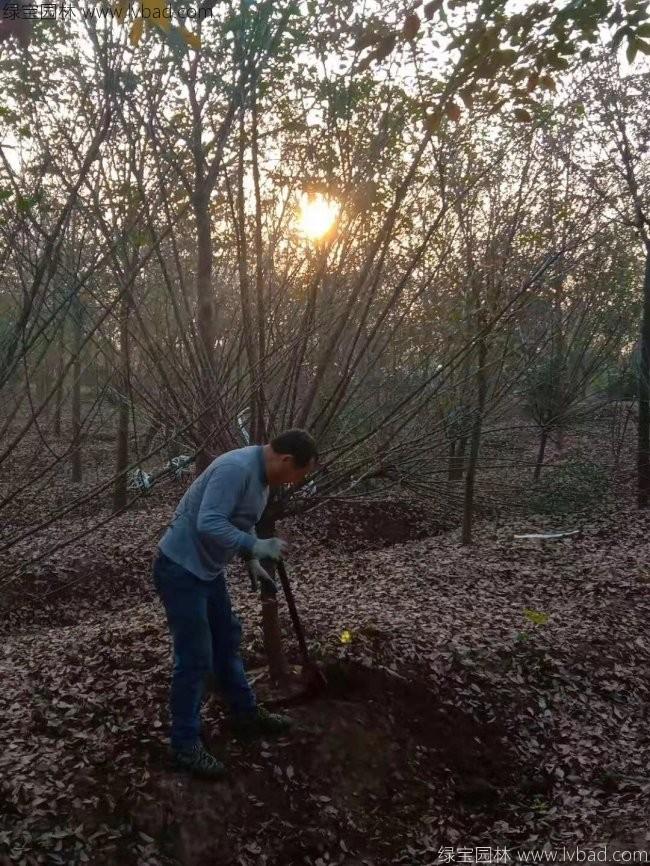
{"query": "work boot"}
pixel 258 723
pixel 198 761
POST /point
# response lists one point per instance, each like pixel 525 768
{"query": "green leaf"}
pixel 506 57
pixel 558 62
pixel 466 96
pixel 129 81
pixel 619 36
pixel 24 203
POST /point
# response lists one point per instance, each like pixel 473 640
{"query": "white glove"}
pixel 269 548
pixel 257 573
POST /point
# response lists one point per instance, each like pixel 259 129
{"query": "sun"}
pixel 317 215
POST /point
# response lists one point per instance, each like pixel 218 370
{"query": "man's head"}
pixel 290 457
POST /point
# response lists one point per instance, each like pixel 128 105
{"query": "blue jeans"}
pixel 206 636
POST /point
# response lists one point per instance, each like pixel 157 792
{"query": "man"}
pixel 215 520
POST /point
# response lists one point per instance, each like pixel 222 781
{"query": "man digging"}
pixel 213 522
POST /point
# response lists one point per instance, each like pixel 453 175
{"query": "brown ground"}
pixel 451 718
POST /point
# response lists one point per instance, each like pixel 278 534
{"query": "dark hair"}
pixel 299 443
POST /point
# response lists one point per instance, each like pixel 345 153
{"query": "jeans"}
pixel 206 637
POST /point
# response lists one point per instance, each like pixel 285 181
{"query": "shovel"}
pixel 312 676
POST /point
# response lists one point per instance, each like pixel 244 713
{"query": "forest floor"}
pixel 455 721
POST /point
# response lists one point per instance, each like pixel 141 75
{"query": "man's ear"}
pixel 287 461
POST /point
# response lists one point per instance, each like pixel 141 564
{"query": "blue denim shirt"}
pixel 216 517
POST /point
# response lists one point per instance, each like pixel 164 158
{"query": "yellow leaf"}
pixel 346 636
pixel 536 616
pixel 190 38
pixel 119 10
pixel 153 13
pixel 136 32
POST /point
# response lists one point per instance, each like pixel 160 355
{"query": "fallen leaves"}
pixel 445 684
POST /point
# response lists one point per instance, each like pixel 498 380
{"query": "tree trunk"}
pixel 457 459
pixel 258 430
pixel 452 461
pixel 250 344
pixel 475 442
pixel 60 367
pixel 644 394
pixel 619 440
pixel 77 469
pixel 44 385
pixel 278 669
pixel 206 323
pixel 559 351
pixel 540 454
pixel 462 448
pixel 122 452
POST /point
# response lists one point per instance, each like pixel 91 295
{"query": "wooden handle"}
pixel 293 611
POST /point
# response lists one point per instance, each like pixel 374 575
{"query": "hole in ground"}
pixel 375 762
pixel 468 754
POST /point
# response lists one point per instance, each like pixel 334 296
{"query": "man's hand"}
pixel 269 548
pixel 257 573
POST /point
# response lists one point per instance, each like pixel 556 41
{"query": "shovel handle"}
pixel 293 610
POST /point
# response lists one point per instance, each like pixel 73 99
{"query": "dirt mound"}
pixel 117 564
pixel 358 525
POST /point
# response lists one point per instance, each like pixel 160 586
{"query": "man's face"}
pixel 293 474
